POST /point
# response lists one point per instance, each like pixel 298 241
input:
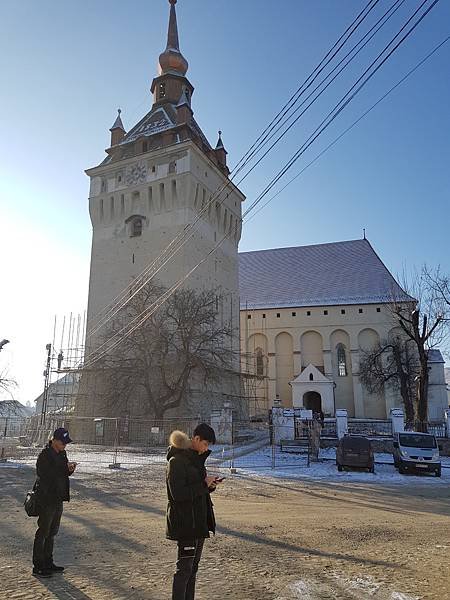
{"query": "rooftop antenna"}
pixel 364 233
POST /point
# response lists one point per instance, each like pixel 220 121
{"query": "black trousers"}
pixel 189 555
pixel 48 526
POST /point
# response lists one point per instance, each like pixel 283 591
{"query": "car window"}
pixel 417 441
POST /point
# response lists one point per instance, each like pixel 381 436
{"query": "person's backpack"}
pixel 31 503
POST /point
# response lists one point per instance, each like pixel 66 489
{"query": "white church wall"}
pixel 317 323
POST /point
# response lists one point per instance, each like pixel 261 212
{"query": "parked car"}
pixel 416 452
pixel 355 451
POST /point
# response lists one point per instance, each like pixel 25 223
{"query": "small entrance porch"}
pixel 313 391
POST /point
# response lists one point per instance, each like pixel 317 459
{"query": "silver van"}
pixel 415 451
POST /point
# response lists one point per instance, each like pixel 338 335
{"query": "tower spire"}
pixel 171 60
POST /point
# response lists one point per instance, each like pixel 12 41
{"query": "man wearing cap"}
pixel 52 489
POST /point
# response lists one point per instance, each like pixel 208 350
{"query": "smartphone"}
pixel 219 479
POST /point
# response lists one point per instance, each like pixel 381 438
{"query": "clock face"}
pixel 136 173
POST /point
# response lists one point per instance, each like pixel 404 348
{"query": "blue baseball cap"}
pixel 62 435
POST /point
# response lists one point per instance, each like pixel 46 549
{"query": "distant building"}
pixel 12 416
pixel 61 394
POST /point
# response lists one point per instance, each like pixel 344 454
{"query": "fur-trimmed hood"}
pixel 179 443
pixel 179 440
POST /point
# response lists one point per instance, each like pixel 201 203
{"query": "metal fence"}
pixel 329 428
pixel 370 427
pixel 127 443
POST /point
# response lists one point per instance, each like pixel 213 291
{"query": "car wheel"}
pixel 340 468
pixel 401 470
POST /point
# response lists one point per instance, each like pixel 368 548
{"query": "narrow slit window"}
pixel 259 363
pixel 341 359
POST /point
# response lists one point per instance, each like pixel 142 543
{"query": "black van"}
pixel 355 451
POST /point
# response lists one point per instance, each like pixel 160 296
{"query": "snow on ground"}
pixel 294 466
pixel 249 459
pixel 337 587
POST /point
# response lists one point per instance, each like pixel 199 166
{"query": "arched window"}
pixel 162 90
pixel 259 362
pixel 341 360
pixel 311 377
pixel 136 227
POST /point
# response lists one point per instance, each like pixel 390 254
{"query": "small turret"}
pixel 117 130
pixel 220 152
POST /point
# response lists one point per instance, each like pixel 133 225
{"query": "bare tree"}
pixel 152 367
pixel 392 363
pixel 424 323
pixel 6 383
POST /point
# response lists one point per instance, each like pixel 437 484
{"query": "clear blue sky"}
pixel 67 66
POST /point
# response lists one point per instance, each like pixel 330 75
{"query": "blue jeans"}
pixel 189 554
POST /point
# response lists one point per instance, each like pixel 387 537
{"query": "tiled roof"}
pixel 321 275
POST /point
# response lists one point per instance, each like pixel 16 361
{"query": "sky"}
pixel 67 66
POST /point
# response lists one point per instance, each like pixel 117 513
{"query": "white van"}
pixel 416 451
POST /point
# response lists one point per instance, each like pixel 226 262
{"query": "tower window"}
pixel 343 311
pixel 294 314
pixel 278 315
pixel 360 310
pixel 378 309
pixel 136 227
pixel 162 90
pixel 264 316
pixel 311 377
pixel 308 313
pixel 249 316
pixel 341 359
pixel 325 312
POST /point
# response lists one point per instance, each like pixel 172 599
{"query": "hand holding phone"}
pixel 219 479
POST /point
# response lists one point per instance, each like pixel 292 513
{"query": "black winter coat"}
pixel 190 513
pixel 52 482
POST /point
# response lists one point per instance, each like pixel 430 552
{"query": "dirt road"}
pixel 278 540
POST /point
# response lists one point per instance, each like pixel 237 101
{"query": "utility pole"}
pixel 48 347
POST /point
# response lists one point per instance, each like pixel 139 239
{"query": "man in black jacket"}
pixel 190 515
pixel 52 489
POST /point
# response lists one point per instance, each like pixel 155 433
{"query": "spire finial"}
pixel 172 59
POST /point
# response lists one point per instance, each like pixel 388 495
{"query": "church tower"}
pixel 153 183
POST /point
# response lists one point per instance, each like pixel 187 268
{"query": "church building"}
pixel 308 313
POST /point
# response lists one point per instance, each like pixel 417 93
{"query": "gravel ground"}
pixel 278 539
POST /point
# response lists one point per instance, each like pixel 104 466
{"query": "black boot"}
pixel 42 573
pixel 54 568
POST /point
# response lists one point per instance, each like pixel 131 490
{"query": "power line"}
pixel 337 110
pixel 336 140
pixel 346 99
pixel 122 298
